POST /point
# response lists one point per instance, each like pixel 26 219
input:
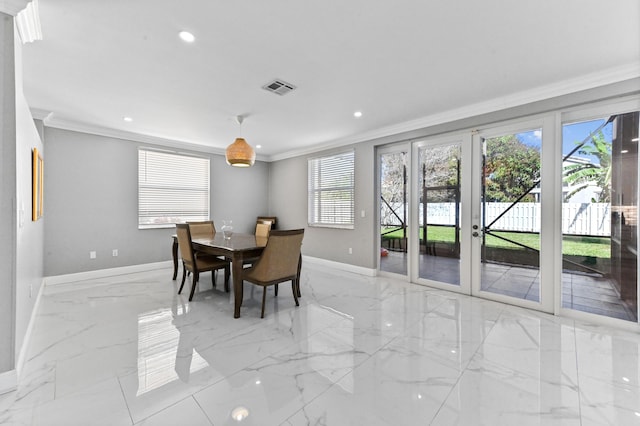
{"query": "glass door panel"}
pixel 510 212
pixel 599 216
pixel 393 212
pixel 439 168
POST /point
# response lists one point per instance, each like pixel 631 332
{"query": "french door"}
pixel 478 214
pixel 512 215
pixel 540 213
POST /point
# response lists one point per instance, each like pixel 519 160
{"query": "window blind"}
pixel 331 191
pixel 172 188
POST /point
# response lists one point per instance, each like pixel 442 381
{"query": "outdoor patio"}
pixel 582 292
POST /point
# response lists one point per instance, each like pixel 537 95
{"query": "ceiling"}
pixel 403 64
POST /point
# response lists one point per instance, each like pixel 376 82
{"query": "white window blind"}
pixel 172 188
pixel 331 191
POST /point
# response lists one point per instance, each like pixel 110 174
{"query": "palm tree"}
pixel 585 174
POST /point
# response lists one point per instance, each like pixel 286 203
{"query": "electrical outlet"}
pixel 114 253
pixel 350 250
pixel 92 255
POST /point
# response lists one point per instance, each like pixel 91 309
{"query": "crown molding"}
pixel 51 120
pixel 28 23
pixel 566 87
pixel 13 7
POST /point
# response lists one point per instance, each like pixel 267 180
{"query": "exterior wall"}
pixel 91 203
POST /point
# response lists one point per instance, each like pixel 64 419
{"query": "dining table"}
pixel 237 247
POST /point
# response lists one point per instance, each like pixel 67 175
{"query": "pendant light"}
pixel 240 153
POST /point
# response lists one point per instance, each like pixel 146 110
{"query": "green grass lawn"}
pixel 571 245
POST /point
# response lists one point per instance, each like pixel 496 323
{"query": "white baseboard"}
pixel 8 381
pixel 101 273
pixel 341 266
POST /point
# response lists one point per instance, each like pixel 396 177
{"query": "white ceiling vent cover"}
pixel 279 87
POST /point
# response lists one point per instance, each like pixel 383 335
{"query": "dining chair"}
pixel 203 229
pixel 279 262
pixel 197 262
pixel 268 219
pixel 263 229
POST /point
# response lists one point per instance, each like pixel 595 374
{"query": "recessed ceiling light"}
pixel 128 119
pixel 187 36
pixel 357 114
pixel 258 146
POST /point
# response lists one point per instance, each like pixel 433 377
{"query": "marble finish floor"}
pixel 127 350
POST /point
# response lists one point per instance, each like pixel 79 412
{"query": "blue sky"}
pixel 571 134
pixel 576 132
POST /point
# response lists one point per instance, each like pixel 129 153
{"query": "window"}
pixel 331 191
pixel 172 188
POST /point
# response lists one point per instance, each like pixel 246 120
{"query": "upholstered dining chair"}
pixel 197 262
pixel 204 229
pixel 263 229
pixel 268 219
pixel 278 263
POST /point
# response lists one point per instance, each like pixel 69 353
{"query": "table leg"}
pixel 236 265
pixel 174 251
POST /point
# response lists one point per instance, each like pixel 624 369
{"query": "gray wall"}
pixel 30 234
pixel 21 270
pixel 91 203
pixel 288 201
pixel 7 194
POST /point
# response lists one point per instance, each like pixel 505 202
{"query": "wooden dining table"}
pixel 237 248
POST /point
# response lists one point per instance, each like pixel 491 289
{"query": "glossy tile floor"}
pixel 358 351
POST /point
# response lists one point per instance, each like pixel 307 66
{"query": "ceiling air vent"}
pixel 279 87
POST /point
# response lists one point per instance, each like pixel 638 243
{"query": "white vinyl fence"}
pixel 577 218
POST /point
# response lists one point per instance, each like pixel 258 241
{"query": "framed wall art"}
pixel 37 184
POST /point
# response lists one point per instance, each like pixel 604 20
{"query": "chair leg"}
pixel 294 289
pixel 194 281
pixel 264 296
pixel 298 275
pixel 184 276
